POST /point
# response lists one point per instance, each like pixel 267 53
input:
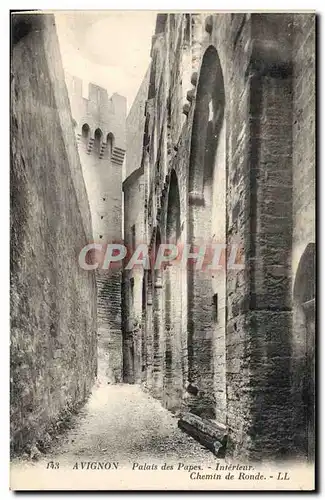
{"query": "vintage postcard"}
pixel 162 218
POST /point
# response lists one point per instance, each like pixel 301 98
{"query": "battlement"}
pixel 98 111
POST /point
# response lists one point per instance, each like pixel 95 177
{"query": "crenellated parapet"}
pixel 99 118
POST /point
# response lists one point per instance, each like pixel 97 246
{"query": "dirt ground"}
pixel 122 423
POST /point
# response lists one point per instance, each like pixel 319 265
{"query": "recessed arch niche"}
pixel 206 224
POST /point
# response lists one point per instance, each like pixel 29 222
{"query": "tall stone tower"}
pixel 100 124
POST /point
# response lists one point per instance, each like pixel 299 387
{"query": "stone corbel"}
pixel 186 108
pixel 194 78
pixel 190 96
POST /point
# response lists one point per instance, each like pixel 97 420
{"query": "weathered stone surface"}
pixel 304 208
pixel 53 300
pixel 232 332
pixel 210 427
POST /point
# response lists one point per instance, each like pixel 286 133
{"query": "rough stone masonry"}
pixel 220 148
pixel 53 300
pixel 100 124
pixel 227 156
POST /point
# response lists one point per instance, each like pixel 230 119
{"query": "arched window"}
pixel 98 140
pixel 109 144
pixel 85 133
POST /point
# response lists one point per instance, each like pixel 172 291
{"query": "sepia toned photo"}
pixel 162 250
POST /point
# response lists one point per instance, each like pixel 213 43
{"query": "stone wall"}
pixel 135 124
pixel 303 244
pixel 132 284
pixel 228 158
pixel 53 300
pixel 259 207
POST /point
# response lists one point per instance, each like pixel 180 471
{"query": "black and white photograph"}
pixel 162 250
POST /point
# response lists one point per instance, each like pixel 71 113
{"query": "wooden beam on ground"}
pixel 207 432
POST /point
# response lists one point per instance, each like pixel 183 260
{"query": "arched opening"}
pixel 206 225
pixel 85 134
pixel 174 377
pixel 304 365
pixel 98 140
pixel 173 211
pixel 207 122
pixel 158 331
pixel 109 144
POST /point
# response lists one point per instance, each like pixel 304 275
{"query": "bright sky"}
pixel 109 48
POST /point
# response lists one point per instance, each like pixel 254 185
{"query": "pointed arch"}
pixel 109 144
pixel 207 223
pixel 98 137
pixel 173 225
pixel 207 121
pixel 85 133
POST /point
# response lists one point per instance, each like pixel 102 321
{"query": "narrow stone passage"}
pixel 122 423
